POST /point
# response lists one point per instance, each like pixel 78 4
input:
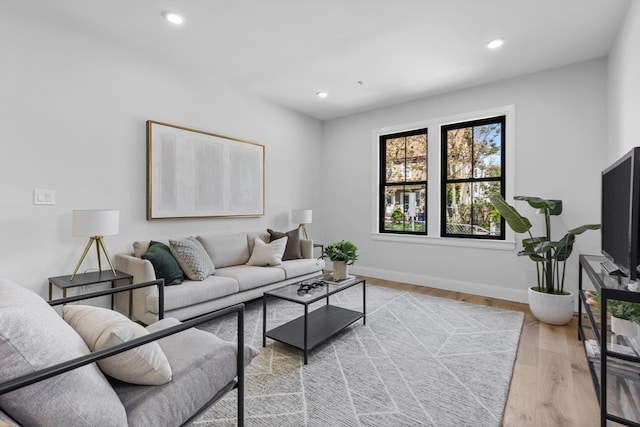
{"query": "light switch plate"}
pixel 44 197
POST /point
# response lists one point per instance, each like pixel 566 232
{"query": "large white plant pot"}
pixel 550 308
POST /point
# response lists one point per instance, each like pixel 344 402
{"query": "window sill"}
pixel 501 245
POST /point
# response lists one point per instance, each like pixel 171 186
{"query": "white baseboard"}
pixel 442 283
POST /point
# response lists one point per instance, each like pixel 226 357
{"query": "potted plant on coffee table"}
pixel 342 254
pixel 549 301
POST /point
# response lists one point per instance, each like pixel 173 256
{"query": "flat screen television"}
pixel 620 224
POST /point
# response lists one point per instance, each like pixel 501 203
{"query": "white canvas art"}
pixel 198 174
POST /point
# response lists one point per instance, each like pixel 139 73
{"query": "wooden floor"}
pixel 551 384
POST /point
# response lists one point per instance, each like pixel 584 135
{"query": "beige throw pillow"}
pixel 267 253
pixel 102 328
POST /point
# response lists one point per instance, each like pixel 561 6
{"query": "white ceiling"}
pixel 287 50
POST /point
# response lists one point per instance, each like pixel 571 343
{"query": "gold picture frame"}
pixel 197 174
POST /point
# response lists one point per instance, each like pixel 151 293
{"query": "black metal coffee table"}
pixel 313 328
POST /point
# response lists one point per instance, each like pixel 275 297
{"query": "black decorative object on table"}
pixel 309 286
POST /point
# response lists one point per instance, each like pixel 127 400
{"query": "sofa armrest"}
pixel 306 248
pixel 141 269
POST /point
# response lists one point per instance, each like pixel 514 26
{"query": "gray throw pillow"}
pixel 292 251
pixel 193 258
pixel 164 263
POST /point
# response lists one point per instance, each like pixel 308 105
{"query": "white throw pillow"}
pixel 102 328
pixel 267 253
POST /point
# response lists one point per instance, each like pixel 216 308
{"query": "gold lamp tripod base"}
pixel 99 245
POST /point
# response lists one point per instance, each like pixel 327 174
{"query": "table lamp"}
pixel 302 217
pixel 95 223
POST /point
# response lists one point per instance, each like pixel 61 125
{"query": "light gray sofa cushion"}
pixel 249 277
pixel 226 249
pixel 33 336
pixel 197 376
pixel 193 292
pixel 299 267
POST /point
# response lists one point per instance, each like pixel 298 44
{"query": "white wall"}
pixel 560 150
pixel 72 118
pixel 624 86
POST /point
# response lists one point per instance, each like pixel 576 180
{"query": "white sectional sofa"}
pixel 239 273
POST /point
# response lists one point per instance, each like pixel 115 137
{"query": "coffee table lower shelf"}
pixel 322 324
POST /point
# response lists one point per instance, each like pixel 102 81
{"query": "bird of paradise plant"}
pixel 550 256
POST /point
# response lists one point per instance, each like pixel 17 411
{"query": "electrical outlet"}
pixel 44 197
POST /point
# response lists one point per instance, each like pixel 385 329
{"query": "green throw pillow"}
pixel 164 264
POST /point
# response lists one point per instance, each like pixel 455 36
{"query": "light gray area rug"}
pixel 419 361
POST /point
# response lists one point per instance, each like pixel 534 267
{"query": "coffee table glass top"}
pixel 312 290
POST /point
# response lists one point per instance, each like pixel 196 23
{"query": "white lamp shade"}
pixel 95 222
pixel 301 216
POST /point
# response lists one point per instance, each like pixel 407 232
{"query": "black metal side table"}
pixel 87 279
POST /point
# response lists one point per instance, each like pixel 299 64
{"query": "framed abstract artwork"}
pixel 196 174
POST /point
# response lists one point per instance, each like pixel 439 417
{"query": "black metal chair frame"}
pixel 238 383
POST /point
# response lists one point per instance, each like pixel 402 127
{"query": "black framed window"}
pixel 403 182
pixel 473 168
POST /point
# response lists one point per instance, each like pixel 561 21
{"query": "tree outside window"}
pixel 473 162
pixel 403 182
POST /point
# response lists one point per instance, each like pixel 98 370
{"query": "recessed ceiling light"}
pixel 173 17
pixel 495 43
pixel 322 94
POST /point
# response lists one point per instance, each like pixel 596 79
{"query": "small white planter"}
pixel 550 308
pixel 340 270
pixel 623 327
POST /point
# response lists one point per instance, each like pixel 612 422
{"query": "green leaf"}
pixel 557 209
pixel 341 251
pixel 545 247
pixel 554 206
pixel 533 256
pixel 583 228
pixel 565 247
pixel 517 222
